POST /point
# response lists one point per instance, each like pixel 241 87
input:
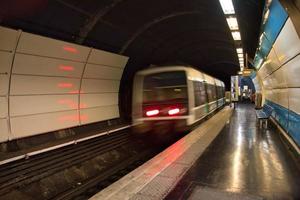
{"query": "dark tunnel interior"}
pixel 190 32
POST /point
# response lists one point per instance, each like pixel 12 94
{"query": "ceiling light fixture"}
pixel 227 6
pixel 239 50
pixel 236 35
pixel 232 23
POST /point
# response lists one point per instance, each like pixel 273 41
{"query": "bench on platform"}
pixel 264 114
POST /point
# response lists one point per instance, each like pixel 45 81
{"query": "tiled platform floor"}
pixel 245 161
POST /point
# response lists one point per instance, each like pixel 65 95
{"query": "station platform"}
pixel 226 157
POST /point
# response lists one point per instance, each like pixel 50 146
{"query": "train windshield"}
pixel 165 87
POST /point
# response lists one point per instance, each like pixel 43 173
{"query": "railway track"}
pixel 94 185
pixel 47 175
pixel 20 174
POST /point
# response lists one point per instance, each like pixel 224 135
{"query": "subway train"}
pixel 173 98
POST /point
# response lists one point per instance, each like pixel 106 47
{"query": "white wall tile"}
pixel 39 45
pixel 28 85
pixel 5 61
pixel 102 72
pixel 42 123
pixel 99 86
pixel 107 58
pixel 95 100
pixel 292 72
pixel 4 84
pixel 282 97
pixel 287 44
pixel 278 79
pixel 28 105
pixel 91 115
pixel 3 107
pixel 294 99
pixel 4 130
pixel 8 39
pixel 36 65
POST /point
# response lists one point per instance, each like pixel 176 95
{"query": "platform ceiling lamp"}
pixel 229 12
pixel 232 23
pixel 227 7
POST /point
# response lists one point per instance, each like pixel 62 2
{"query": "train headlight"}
pixel 151 113
pixel 174 111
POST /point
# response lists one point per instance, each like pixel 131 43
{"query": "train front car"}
pixel 160 100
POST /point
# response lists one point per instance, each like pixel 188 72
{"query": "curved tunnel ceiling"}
pixel 192 32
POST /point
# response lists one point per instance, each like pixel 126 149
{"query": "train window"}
pixel 211 93
pixel 199 93
pixel 223 92
pixel 165 87
pixel 220 92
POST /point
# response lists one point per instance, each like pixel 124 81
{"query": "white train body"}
pixel 176 95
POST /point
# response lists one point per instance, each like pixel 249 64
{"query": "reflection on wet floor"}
pixel 244 159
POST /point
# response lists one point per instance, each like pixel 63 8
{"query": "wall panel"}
pixel 46 80
pixel 5 62
pixel 99 86
pixel 282 97
pixel 42 123
pixel 281 69
pixel 107 58
pixel 102 72
pixel 96 100
pixel 28 105
pixel 91 115
pixel 3 107
pixel 43 46
pixel 273 62
pixel 278 79
pixel 8 39
pixel 36 65
pixel 287 44
pixel 292 72
pixel 294 99
pixel 29 85
pixel 4 84
pixel 4 130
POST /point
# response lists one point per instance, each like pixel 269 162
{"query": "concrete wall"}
pixel 47 84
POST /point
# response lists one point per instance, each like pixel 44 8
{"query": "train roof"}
pixel 156 69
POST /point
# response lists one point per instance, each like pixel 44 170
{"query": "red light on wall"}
pixel 82 105
pixel 70 49
pixel 174 111
pixel 152 113
pixel 84 118
pixel 69 118
pixel 65 85
pixel 66 68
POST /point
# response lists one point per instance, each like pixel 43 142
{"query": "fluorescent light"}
pixel 236 35
pixel 240 55
pixel 241 59
pixel 232 23
pixel 227 6
pixel 266 16
pixel 239 50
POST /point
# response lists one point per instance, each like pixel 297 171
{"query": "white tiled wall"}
pixel 281 71
pixel 54 84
